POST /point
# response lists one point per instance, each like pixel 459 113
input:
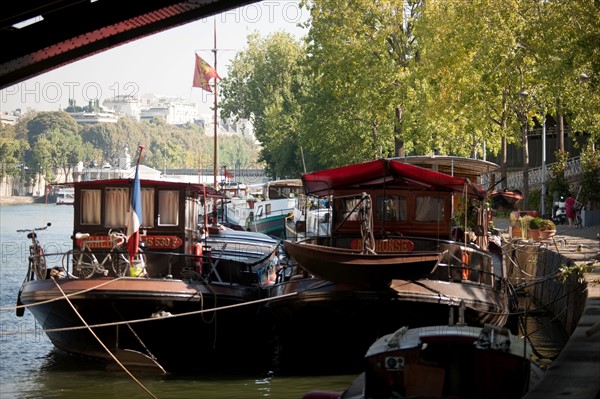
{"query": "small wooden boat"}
pixel 442 362
pixel 352 266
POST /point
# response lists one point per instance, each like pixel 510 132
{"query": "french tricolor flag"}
pixel 135 213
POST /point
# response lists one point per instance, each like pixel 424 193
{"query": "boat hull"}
pixel 141 315
pixel 345 265
pixel 333 324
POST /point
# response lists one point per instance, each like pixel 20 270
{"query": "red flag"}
pixel 203 73
pixel 228 175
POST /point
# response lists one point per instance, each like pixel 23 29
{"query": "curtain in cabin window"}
pixel 90 206
pixel 147 207
pixel 429 209
pixel 191 213
pixel 347 209
pixel 168 208
pixel 117 206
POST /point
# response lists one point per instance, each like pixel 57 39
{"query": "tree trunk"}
pixel 525 142
pixel 503 166
pixel 560 125
pixel 398 142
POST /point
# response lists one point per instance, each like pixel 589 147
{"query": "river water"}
pixel 30 367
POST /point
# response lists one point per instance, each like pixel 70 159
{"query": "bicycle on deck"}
pixel 86 264
pixel 37 259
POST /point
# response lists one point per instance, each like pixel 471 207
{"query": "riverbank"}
pixel 16 200
pixel 575 372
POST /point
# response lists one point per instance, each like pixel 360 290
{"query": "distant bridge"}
pixel 240 175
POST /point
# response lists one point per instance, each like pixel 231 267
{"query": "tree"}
pixel 264 85
pixel 57 149
pixel 45 122
pixel 11 151
pixel 360 58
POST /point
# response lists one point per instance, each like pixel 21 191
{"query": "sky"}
pixel 160 64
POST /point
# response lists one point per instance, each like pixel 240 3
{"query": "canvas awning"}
pixel 386 173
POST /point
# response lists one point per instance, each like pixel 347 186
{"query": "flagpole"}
pixel 215 151
pixel 142 148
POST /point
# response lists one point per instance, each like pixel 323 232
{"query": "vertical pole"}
pixel 543 196
pixel 215 150
pixel 215 106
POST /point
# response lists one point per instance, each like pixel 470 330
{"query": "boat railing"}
pixel 463 269
pixel 221 266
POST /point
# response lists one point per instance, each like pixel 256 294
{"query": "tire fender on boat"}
pixel 197 260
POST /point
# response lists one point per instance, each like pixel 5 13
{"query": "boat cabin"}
pixel 403 199
pixel 397 211
pixel 168 224
pixel 406 208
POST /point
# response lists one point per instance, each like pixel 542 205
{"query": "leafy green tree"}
pixel 590 186
pixel 264 85
pixel 11 151
pixel 360 57
pixel 106 138
pixel 45 122
pixel 57 150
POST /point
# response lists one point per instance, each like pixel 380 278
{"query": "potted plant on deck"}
pixel 524 221
pixel 534 228
pixel 547 229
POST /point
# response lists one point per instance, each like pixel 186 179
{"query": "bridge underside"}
pixel 64 31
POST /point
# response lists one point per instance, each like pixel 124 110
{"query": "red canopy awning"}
pixel 385 172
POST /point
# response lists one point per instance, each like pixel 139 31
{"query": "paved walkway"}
pixel 576 371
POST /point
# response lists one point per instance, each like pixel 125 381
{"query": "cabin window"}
pixel 429 209
pixel 90 206
pixel 348 209
pixel 147 207
pixel 116 206
pixel 267 209
pixel 259 211
pixel 391 208
pixel 168 208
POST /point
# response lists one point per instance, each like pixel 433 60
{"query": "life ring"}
pixel 197 259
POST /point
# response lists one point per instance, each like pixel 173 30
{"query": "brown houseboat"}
pixel 395 257
pixel 180 304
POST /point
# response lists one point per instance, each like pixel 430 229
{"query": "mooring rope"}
pixel 59 298
pixel 150 354
pixel 102 343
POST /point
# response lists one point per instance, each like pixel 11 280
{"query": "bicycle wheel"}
pixel 83 264
pixel 38 262
pixel 120 261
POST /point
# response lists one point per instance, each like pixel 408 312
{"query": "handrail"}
pixel 514 179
